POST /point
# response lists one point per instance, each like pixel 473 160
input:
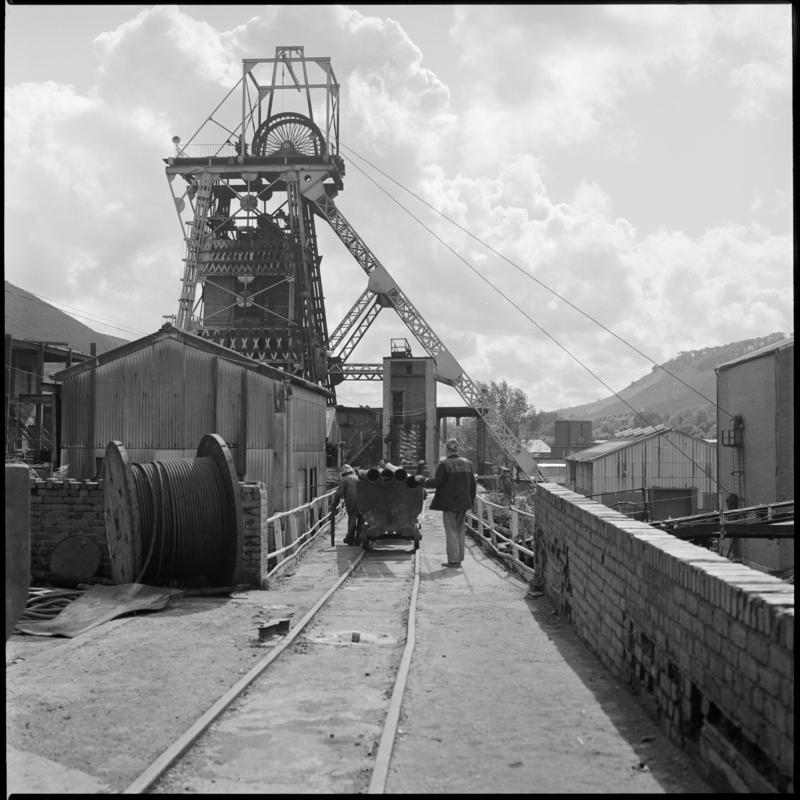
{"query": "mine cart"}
pixel 390 503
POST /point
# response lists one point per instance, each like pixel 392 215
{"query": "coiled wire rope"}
pixel 173 520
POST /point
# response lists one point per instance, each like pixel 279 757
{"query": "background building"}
pixel 662 472
pixel 32 401
pixel 755 419
pixel 409 407
pixel 570 435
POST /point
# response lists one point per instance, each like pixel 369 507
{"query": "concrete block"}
pixel 748 666
pixel 758 646
pixel 18 542
pixel 779 661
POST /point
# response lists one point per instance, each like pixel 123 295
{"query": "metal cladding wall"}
pixel 161 395
pixel 308 435
pixel 667 460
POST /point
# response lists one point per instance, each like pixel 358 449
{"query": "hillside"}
pixel 28 317
pixel 669 393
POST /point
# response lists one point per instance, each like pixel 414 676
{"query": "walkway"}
pixel 502 696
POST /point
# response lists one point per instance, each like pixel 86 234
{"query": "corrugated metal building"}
pixel 755 420
pixel 161 394
pixel 671 473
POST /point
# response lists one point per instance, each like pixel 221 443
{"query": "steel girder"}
pixel 355 324
pixel 358 372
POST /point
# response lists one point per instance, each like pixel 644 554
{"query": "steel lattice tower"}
pixel 248 207
pixel 252 270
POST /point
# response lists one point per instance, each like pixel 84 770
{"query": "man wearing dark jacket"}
pixel 455 486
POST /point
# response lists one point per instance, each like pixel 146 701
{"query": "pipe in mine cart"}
pixel 372 475
pixel 391 472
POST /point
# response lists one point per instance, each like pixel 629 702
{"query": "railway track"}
pixel 321 709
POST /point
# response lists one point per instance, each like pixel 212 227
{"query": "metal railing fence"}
pixel 292 531
pixel 507 531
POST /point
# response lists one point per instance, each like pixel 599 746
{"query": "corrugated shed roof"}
pixel 784 344
pixel 599 450
pixel 620 442
pixel 632 433
pixel 169 331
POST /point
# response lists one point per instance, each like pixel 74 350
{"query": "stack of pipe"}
pixel 389 473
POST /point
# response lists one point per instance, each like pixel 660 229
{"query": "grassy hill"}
pixel 680 392
pixel 28 317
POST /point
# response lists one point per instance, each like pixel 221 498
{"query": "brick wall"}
pixel 64 508
pixel 255 535
pixel 706 644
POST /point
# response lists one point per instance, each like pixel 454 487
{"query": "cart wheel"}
pixel 416 538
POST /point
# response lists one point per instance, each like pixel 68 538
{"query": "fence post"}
pixel 293 520
pixel 514 531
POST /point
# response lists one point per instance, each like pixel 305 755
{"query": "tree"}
pixel 512 404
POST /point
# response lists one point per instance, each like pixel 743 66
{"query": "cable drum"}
pixel 167 521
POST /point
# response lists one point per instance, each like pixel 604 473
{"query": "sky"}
pixel 567 194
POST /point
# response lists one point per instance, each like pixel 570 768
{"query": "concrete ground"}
pixel 502 696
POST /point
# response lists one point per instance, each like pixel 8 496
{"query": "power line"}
pixel 534 278
pixel 91 318
pixel 530 319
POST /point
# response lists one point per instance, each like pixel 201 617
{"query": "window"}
pixel 398 411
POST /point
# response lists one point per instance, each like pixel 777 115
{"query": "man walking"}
pixel 455 486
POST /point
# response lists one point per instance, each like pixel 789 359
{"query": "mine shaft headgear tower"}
pixel 252 270
pixel 248 207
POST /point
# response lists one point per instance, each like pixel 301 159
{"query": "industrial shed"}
pixel 655 469
pixel 161 394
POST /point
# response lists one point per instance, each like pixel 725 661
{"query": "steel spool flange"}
pixel 213 447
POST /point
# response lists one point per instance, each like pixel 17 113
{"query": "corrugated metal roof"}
pixel 598 450
pixel 632 433
pixel 784 344
pixel 631 437
pixel 191 340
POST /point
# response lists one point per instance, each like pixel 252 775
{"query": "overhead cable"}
pixel 533 321
pixel 534 278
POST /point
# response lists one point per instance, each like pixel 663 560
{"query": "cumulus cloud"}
pixel 89 216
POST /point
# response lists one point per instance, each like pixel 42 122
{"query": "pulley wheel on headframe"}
pixel 288 134
pixel 169 520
